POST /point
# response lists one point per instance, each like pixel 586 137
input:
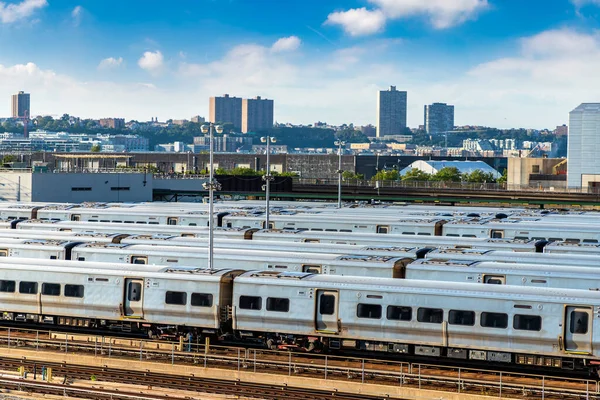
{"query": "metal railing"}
pixel 309 365
pixel 432 185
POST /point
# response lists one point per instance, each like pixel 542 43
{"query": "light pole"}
pixel 211 185
pixel 339 144
pixel 267 177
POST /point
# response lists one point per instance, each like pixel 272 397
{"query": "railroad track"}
pixel 423 376
pixel 158 380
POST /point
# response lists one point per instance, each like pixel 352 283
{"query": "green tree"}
pixel 479 176
pixel 386 176
pixel 416 174
pixel 351 176
pixel 504 177
pixel 447 174
pixel 96 148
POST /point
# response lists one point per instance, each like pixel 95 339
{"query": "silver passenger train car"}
pixel 540 327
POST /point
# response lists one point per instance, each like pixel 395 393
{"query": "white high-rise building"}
pixel 391 112
pixel 583 168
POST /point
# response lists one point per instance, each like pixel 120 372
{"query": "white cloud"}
pixel 76 14
pixel 152 61
pixel 16 11
pixel 289 43
pixel 358 21
pixel 441 14
pixel 581 3
pixel 110 62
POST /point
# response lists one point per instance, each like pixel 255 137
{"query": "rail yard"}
pixel 365 301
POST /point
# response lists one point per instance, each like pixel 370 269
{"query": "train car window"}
pixel 571 240
pixel 527 322
pixel 75 217
pixel 497 234
pixel 383 229
pixel 28 287
pixel 3 253
pixel 278 304
pixel 51 289
pixel 104 220
pixel 345 230
pixel 589 241
pixel 327 304
pixel 399 313
pixel 139 260
pixel 330 230
pixel 312 269
pixel 494 279
pixel 153 223
pixel 452 234
pixel 176 298
pixel 250 302
pixel 202 299
pixel 53 257
pixel 430 315
pixel 80 258
pixel 74 291
pixel 461 317
pixel 555 239
pixel 130 222
pixel 424 233
pixel 408 233
pixel 579 322
pixel 187 235
pixel 172 221
pixel 140 222
pixel 92 220
pixel 7 286
pixel 134 291
pixel 372 311
pixel 316 229
pixel 494 320
pixel 470 236
pixel 192 224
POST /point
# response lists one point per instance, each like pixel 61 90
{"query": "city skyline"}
pixel 504 65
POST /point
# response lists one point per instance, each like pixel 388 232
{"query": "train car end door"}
pixel 326 313
pixel 132 301
pixel 578 329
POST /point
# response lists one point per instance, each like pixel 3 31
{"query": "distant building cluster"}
pixel 246 115
pixel 68 142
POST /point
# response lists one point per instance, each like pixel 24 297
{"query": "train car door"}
pixel 133 298
pixel 327 311
pixel 578 329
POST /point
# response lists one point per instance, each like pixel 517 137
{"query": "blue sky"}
pixel 504 63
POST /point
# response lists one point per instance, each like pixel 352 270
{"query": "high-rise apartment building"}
pixel 583 165
pixel 257 114
pixel 226 109
pixel 391 112
pixel 439 118
pixel 21 105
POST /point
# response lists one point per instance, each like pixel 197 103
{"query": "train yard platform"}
pixel 340 389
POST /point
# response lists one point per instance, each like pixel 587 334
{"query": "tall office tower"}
pixel 583 165
pixel 257 114
pixel 391 112
pixel 439 118
pixel 20 105
pixel 226 109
